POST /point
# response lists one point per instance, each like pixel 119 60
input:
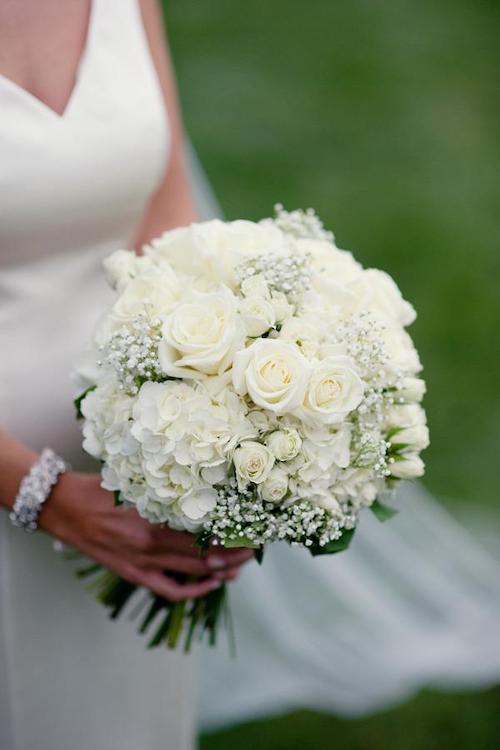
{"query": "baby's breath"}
pixel 241 516
pixel 301 224
pixel 132 352
pixel 288 275
pixel 362 337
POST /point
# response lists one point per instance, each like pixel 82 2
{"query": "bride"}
pixel 91 160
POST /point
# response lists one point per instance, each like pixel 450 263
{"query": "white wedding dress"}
pixel 73 188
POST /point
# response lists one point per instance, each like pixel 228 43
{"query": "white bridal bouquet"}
pixel 255 384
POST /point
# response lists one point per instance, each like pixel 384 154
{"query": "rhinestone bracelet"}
pixel 35 488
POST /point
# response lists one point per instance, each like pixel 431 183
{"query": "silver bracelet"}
pixel 35 488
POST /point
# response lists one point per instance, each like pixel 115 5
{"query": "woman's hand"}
pixel 82 514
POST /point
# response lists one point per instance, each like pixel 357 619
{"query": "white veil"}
pixel 414 602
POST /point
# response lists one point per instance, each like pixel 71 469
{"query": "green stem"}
pixel 176 623
pixel 89 570
pixel 229 623
pixel 162 631
pixel 194 617
pixel 157 603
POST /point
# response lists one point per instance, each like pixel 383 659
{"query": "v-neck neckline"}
pixel 78 75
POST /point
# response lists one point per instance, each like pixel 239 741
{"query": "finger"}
pixel 231 557
pixel 174 541
pixel 164 586
pixel 178 563
pixel 229 574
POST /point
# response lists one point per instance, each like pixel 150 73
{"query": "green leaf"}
pixel 383 512
pixel 259 555
pixel 394 431
pixel 398 447
pixel 156 605
pixel 78 401
pixel 336 545
pixel 89 570
pixel 162 631
pixel 399 456
pixel 202 541
pixel 117 498
pixel 121 596
pixel 214 607
pixel 194 618
pixel 241 541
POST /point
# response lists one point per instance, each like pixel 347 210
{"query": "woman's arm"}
pixel 15 461
pixel 172 205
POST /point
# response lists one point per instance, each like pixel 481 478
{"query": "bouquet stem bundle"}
pixel 167 623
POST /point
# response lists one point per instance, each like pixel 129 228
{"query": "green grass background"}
pixel 384 116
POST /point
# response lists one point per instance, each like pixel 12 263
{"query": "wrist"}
pixel 16 461
pixel 54 517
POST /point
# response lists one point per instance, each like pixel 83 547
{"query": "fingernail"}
pixel 216 563
pixel 215 584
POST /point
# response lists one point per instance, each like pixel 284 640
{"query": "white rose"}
pixel 330 263
pixel 416 437
pixel 197 503
pixel 153 295
pixel 274 374
pixel 262 421
pixel 257 314
pixel 412 389
pixel 253 462
pixel 120 267
pixel 156 294
pixel 410 422
pixel 274 489
pixel 334 389
pixel 215 248
pixel 285 444
pixel 255 286
pixel 282 308
pixel 304 333
pixel 201 335
pixel 404 415
pixel 402 356
pixel 410 467
pixel 378 291
pixel 333 270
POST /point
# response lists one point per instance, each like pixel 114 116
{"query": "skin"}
pixel 41 43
